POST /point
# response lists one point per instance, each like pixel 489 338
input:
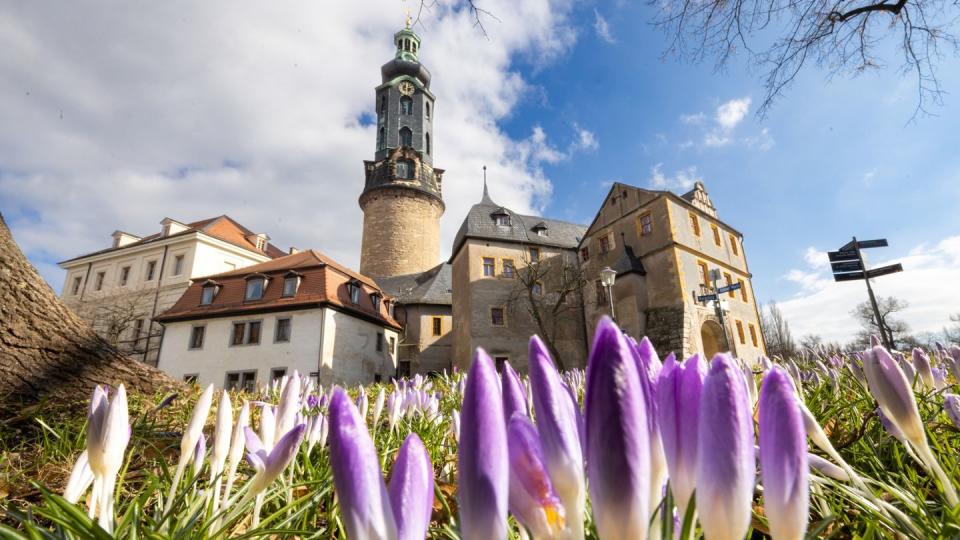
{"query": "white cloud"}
pixel 602 28
pixel 258 111
pixel 681 180
pixel 928 284
pixel 732 112
pixel 693 119
pixel 725 120
pixel 585 139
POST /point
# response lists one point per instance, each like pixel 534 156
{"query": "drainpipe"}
pixel 153 313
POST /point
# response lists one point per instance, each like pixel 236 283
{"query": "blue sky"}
pixel 257 111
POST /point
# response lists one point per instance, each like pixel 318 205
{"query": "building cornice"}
pixel 184 237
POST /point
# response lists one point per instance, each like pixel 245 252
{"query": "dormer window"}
pixel 353 289
pixel 291 282
pixel 502 220
pixel 375 299
pixel 540 229
pixel 255 287
pixel 209 292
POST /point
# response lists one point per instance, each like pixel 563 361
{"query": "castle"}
pixel 407 311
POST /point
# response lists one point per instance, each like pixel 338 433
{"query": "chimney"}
pixel 293 251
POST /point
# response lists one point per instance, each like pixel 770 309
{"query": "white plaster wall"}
pixel 350 353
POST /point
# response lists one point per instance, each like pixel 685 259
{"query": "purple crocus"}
pixel 784 465
pixel 618 438
pixel 269 464
pixel 483 474
pixel 678 407
pixel 921 363
pixel 533 501
pixel 725 456
pixel 557 426
pixel 514 398
pixel 649 368
pixel 364 502
pixel 411 489
pixel 951 404
pixel 890 388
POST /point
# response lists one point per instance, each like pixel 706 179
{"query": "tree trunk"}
pixel 47 351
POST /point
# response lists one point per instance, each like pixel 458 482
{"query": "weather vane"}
pixel 407 11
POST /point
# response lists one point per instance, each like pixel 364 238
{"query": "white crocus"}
pixel 236 449
pixel 188 443
pixel 221 446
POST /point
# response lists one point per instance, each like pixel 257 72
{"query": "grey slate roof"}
pixel 479 223
pixel 435 286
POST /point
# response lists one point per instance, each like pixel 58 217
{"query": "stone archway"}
pixel 711 335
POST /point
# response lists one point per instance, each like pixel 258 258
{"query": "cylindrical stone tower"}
pixel 402 199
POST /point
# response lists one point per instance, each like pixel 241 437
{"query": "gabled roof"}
pixel 479 223
pixel 323 282
pixel 434 286
pixel 222 228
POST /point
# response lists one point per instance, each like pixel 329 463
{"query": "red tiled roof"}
pixel 323 282
pixel 221 227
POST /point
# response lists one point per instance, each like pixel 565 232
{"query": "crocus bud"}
pixel 557 426
pixel 411 489
pixel 269 464
pixel 364 502
pixel 197 420
pixel 80 479
pixel 783 458
pixel 618 438
pixel 268 426
pixel 221 435
pixel 533 502
pixel 725 458
pixel 678 406
pixel 827 468
pixel 483 480
pixel 951 404
pixel 198 454
pixel 236 448
pixel 890 388
pixel 922 366
pixel 289 404
pixel 514 398
pixel 455 425
pixel 378 406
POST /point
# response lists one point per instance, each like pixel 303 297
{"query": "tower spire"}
pixel 486 193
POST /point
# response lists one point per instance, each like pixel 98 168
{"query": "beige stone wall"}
pixel 419 346
pixel 401 232
pixel 475 294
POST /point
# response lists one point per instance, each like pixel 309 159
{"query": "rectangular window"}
pixel 98 282
pixel 236 338
pixel 196 337
pixel 646 224
pixel 375 300
pixel 191 378
pixel 743 340
pixel 137 331
pixel 232 382
pixel 283 330
pixel 253 332
pixel 537 288
pixel 277 373
pixel 716 234
pixel 753 334
pixel 242 380
pixel 502 220
pixel 178 265
pixel 694 223
pixel 500 362
pixel 207 294
pixel 254 289
pixel 76 285
pixel 496 316
pixel 743 290
pixel 585 254
pixel 601 292
pixel 437 326
pixel 508 268
pixel 354 290
pixel 729 280
pixel 151 270
pixel 124 275
pixel 379 341
pixel 534 254
pixel 489 267
pixel 604 244
pixel 393 345
pixel 290 285
pixel 733 245
pixel 704 273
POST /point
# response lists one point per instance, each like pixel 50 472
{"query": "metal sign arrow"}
pixel 838 256
pixel 864 244
pixel 728 288
pixel 706 297
pixel 846 266
pixel 884 270
pixel 850 276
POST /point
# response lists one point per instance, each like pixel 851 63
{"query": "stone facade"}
pixel 401 232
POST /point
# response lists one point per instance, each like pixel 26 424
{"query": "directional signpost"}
pixel 847 265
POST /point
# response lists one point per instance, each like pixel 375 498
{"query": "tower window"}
pixel 381 135
pixel 405 169
pixel 428 108
pixel 406 105
pixel 406 137
pixel 383 104
pixel 427 138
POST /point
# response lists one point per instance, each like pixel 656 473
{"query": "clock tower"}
pixel 402 197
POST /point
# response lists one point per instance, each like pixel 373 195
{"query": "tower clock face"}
pixel 406 88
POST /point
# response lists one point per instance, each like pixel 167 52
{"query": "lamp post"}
pixel 607 277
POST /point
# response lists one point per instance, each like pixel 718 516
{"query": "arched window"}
pixel 380 138
pixel 427 140
pixel 405 169
pixel 383 105
pixel 406 105
pixel 406 137
pixel 427 103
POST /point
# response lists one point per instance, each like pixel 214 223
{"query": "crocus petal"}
pixel 197 420
pixel 725 457
pixel 289 404
pixel 198 454
pixel 557 426
pixel 483 474
pixel 618 446
pixel 116 432
pixel 80 479
pixel 890 388
pixel 951 404
pixel 827 468
pixel 922 366
pixel 283 452
pixel 364 502
pixel 678 400
pixel 783 458
pixel 96 418
pixel 221 434
pixel 411 489
pixel 533 501
pixel 648 369
pixel 514 398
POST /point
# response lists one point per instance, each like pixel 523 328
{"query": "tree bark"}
pixel 46 351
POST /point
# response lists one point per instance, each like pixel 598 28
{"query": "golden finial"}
pixel 409 19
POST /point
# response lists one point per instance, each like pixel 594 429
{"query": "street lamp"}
pixel 607 277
